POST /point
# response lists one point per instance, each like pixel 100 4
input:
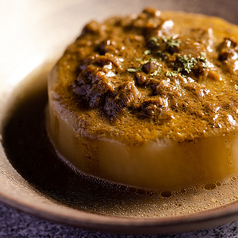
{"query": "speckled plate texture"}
pixel 33 35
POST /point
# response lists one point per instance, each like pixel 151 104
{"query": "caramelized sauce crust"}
pixel 152 75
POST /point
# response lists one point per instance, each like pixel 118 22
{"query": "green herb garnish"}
pixel 156 72
pixel 202 58
pixel 168 74
pixel 171 73
pixel 133 70
pixel 159 52
pixel 152 59
pixel 188 64
pixel 147 52
pixel 165 39
pixel 173 42
pixel 154 39
pixel 174 73
pixel 187 41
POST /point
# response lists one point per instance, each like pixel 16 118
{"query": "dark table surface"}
pixel 17 224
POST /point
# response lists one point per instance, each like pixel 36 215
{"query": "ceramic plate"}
pixel 33 36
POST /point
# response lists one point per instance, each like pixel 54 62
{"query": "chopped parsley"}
pixel 161 55
pixel 187 63
pixel 154 39
pixel 165 39
pixel 187 41
pixel 168 74
pixel 147 52
pixel 159 52
pixel 173 42
pixel 203 59
pixel 171 73
pixel 156 72
pixel 152 59
pixel 174 74
pixel 147 61
pixel 184 63
pixel 133 70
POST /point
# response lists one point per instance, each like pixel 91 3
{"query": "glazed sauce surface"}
pixel 152 75
pixel 30 152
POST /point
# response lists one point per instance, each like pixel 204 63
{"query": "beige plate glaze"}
pixel 33 35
